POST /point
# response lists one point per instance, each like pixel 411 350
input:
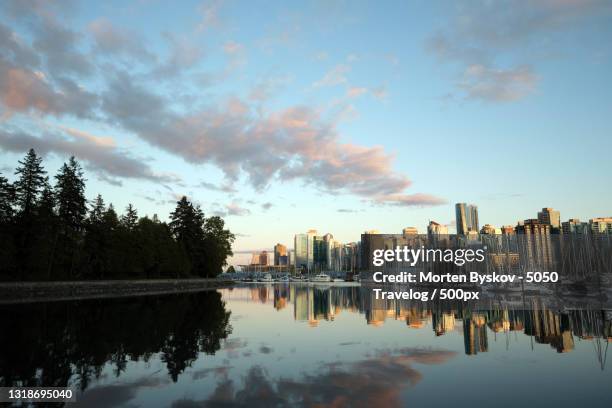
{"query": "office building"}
pixel 467 218
pixel 280 255
pixel 549 216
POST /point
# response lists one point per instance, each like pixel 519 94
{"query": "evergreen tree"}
pixel 7 248
pixel 30 182
pixel 71 203
pixel 7 197
pixel 187 227
pixel 70 190
pixel 130 219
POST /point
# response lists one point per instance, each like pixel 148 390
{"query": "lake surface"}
pixel 300 345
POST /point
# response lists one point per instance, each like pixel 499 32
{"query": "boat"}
pixel 321 278
pixel 284 278
pixel 298 278
pixel 266 278
pixel 338 280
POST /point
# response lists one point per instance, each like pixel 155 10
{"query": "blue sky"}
pixel 339 116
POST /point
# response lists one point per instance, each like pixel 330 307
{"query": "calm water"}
pixel 282 345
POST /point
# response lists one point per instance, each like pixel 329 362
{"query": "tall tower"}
pixel 466 216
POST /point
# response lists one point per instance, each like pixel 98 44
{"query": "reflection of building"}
pixel 280 255
pixel 549 216
pixel 467 218
pixel 475 335
pixel 443 322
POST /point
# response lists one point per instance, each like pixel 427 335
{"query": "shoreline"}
pixel 30 292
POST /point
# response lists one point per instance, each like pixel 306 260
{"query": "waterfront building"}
pixel 574 226
pixel 466 218
pixel 535 244
pixel 280 255
pixel 601 227
pixel 408 231
pixel 489 229
pixel 303 245
pixel 549 216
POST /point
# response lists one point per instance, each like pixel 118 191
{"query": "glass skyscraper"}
pixel 467 218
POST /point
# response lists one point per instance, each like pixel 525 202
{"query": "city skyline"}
pixel 349 117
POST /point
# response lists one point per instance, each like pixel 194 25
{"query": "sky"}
pixel 341 116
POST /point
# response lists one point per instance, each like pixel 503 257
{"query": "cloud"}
pixel 183 54
pixel 112 40
pixel 235 209
pixel 355 91
pixel 336 76
pixel 23 90
pixel 99 153
pixel 482 34
pixel 60 47
pixel 225 188
pixel 12 46
pixel 497 85
pixel 291 144
pixel 346 210
pixel 267 206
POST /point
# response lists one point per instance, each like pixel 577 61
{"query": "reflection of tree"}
pixel 50 343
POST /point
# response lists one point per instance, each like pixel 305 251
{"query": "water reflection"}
pixel 303 345
pixel 558 328
pixel 61 343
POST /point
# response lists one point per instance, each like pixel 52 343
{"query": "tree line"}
pixel 51 232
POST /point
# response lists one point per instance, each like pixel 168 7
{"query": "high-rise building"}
pixel 489 229
pixel 601 227
pixel 435 228
pixel 535 244
pixel 549 216
pixel 410 231
pixel 574 226
pixel 280 255
pixel 466 218
pixel 303 245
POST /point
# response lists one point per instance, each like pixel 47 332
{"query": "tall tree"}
pixel 187 227
pixel 30 182
pixel 71 203
pixel 129 220
pixel 218 245
pixel 70 190
pixel 7 197
pixel 7 247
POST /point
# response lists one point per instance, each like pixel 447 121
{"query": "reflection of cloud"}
pixel 116 394
pixel 377 381
pixel 220 371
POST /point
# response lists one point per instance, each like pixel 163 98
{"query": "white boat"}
pixel 321 278
pixel 266 278
pixel 338 280
pixel 283 279
pixel 296 279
